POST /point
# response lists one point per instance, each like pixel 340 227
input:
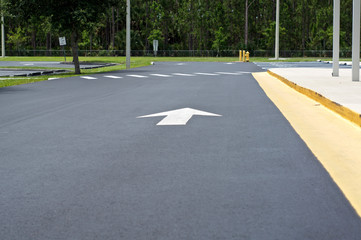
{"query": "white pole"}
pixel 128 36
pixel 277 47
pixel 356 41
pixel 336 38
pixel 2 35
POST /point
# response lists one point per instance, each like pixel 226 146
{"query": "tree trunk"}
pixel 91 42
pixel 48 44
pixel 113 29
pixel 33 39
pixel 246 25
pixel 74 48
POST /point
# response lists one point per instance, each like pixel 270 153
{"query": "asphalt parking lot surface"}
pixel 170 151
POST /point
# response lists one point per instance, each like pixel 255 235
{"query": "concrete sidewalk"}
pixel 339 94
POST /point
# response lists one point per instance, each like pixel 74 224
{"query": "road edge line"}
pixel 334 106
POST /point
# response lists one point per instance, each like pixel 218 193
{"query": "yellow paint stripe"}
pixel 342 110
pixel 335 141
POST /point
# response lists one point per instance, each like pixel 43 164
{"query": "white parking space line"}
pixel 161 75
pixel 115 77
pixel 184 74
pixel 137 76
pixel 207 74
pixel 229 73
pixel 240 72
pixel 87 77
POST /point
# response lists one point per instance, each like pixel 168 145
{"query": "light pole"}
pixel 336 38
pixel 277 46
pixel 128 36
pixel 2 33
pixel 356 41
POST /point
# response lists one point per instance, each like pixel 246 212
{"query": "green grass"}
pixel 135 62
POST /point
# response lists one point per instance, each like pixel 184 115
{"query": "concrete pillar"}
pixel 356 41
pixel 336 37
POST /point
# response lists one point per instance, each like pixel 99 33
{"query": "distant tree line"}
pixel 177 24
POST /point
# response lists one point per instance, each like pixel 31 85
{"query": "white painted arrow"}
pixel 179 116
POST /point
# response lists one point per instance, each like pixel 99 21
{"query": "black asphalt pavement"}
pixel 77 163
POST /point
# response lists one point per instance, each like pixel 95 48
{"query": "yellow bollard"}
pixel 244 56
pixel 240 55
pixel 247 56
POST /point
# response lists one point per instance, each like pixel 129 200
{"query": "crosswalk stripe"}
pixel 137 76
pixel 110 76
pixel 160 75
pixel 87 77
pixel 183 74
pixel 207 74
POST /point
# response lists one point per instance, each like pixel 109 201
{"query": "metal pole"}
pixel 62 47
pixel 277 48
pixel 128 36
pixel 336 38
pixel 2 34
pixel 356 41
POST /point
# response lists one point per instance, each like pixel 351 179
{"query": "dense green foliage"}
pixel 177 24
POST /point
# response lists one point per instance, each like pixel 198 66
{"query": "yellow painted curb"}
pixel 335 141
pixel 336 107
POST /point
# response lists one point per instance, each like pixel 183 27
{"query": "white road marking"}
pixel 179 116
pixel 109 76
pixel 49 79
pixel 229 73
pixel 15 78
pixel 229 63
pixel 207 74
pixel 137 76
pixel 183 74
pixel 160 75
pixel 87 77
pixel 39 63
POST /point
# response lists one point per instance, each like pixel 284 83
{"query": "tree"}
pixel 17 37
pixel 220 42
pixel 178 24
pixel 246 22
pixel 71 17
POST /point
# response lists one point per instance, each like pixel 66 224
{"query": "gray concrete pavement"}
pixel 77 163
pixel 341 90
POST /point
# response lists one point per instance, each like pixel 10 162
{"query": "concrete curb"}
pixel 34 73
pixel 334 106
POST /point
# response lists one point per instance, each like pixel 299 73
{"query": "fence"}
pixel 182 53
